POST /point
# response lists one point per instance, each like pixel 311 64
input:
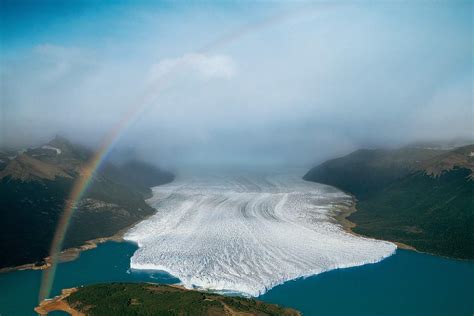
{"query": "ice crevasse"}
pixel 247 234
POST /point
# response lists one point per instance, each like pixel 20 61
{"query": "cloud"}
pixel 203 66
pixel 58 61
pixel 57 51
pixel 446 108
pixel 295 92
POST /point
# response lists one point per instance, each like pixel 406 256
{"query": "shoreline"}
pixel 58 303
pixel 71 254
pixel 347 225
pixel 340 215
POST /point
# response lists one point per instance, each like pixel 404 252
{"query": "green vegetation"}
pixel 366 171
pixel 422 198
pixel 29 211
pixel 35 185
pixel 433 214
pixel 148 299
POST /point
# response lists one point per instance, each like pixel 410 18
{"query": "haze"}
pixel 237 83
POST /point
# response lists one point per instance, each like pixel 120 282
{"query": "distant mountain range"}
pixel 35 183
pixel 422 197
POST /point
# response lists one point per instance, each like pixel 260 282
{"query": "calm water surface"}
pixel 407 283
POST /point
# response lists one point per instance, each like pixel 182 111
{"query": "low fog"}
pixel 241 84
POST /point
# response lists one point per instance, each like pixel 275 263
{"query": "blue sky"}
pixel 89 23
pixel 283 83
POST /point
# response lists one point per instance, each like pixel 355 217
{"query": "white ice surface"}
pixel 248 234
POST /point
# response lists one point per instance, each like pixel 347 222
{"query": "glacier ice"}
pixel 247 234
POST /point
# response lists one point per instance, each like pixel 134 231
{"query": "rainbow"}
pixel 86 176
pixel 79 188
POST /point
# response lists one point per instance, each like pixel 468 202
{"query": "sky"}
pixel 236 83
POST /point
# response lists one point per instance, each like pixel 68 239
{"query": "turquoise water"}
pixel 107 263
pixel 407 283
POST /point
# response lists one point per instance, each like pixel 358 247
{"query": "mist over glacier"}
pixel 248 233
pixel 285 83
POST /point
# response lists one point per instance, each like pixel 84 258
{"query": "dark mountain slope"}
pixel 34 186
pixel 426 203
pixel 366 171
pixel 433 214
pixel 138 175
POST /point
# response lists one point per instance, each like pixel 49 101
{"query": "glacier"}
pixel 247 233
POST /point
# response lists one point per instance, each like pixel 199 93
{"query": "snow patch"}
pixel 248 234
pixel 58 151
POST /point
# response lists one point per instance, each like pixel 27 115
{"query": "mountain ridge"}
pixel 412 196
pixel 35 184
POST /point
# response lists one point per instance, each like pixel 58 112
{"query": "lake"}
pixel 407 283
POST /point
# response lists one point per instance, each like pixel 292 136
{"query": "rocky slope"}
pixel 34 185
pixel 420 197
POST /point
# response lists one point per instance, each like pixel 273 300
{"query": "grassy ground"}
pixel 149 299
pixel 433 214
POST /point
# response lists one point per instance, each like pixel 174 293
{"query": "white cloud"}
pixel 201 65
pixel 58 51
pixel 54 62
pixel 299 90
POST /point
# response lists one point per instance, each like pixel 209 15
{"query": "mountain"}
pixel 35 183
pixel 139 175
pixel 419 197
pixel 154 299
pixel 366 171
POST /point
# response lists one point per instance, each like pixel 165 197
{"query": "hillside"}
pixel 424 200
pixel 366 171
pixel 150 299
pixel 138 175
pixel 34 185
